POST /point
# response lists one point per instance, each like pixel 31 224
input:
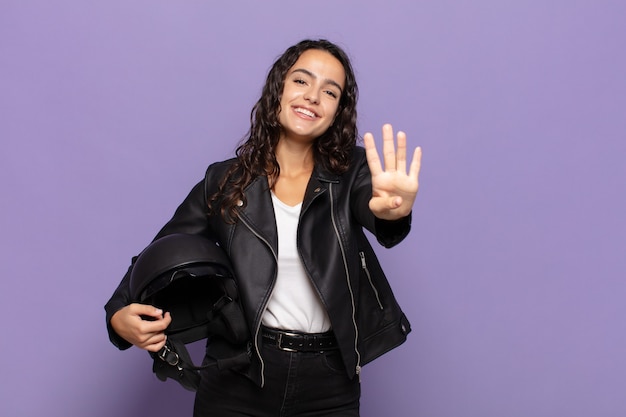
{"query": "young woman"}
pixel 289 211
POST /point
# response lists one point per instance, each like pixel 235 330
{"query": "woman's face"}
pixel 311 95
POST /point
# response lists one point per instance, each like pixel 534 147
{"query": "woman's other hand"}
pixel 142 325
pixel 393 189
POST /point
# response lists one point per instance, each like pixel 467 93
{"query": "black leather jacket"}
pixel 336 254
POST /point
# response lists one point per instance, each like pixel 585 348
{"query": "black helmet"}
pixel 190 276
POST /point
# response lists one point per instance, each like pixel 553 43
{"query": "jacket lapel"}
pixel 258 213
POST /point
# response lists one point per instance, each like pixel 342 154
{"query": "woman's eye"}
pixel 299 81
pixel 331 93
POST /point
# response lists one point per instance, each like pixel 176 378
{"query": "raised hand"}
pixel 393 189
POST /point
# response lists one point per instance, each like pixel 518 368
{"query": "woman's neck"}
pixel 294 158
pixel 296 165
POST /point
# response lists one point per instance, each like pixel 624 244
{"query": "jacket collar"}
pixel 323 175
pixel 259 210
pixel 318 185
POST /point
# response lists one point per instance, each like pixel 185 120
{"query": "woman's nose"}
pixel 311 95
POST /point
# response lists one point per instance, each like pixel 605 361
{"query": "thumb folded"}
pixel 384 204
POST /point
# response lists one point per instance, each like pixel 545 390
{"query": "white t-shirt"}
pixel 294 303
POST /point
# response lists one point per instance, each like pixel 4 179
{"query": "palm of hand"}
pixel 393 188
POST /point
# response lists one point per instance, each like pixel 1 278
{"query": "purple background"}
pixel 513 277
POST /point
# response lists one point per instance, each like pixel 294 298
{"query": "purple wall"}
pixel 513 277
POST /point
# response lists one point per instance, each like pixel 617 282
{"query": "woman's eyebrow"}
pixel 310 74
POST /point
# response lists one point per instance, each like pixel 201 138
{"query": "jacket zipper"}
pixel 347 271
pixel 369 278
pixel 258 327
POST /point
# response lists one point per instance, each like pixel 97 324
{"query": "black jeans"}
pixel 297 384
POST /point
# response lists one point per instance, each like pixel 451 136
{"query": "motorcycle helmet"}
pixel 191 277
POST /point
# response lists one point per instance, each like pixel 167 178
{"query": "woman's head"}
pixel 340 137
pixel 311 94
pixel 268 106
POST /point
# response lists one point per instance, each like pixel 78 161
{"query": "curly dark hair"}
pixel 256 155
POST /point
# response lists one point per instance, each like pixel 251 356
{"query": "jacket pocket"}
pixel 368 275
pixel 373 304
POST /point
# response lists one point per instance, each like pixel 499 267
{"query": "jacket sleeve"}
pixel 388 232
pixel 191 217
